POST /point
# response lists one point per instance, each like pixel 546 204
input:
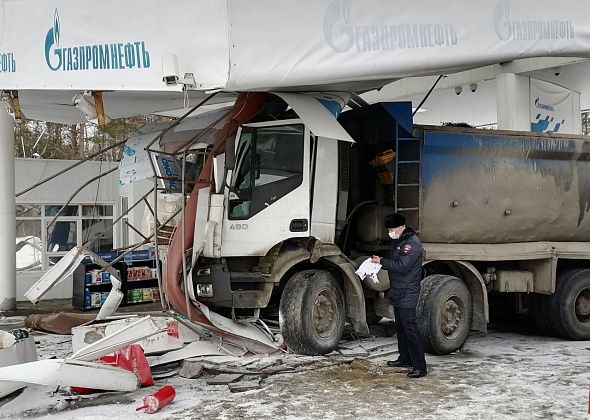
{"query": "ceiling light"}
pixel 83 102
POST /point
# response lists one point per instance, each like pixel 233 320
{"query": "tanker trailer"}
pixel 497 212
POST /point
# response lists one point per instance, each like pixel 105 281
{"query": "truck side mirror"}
pixel 230 153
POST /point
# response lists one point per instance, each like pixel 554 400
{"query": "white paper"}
pixel 369 269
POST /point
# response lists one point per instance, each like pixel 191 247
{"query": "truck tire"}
pixel 569 306
pixel 311 312
pixel 444 313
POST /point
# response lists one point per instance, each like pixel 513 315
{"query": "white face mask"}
pixel 394 235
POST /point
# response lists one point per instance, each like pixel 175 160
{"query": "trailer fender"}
pixel 477 288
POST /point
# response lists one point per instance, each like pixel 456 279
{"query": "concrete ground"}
pixel 509 373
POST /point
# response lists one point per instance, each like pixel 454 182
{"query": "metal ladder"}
pixel 407 177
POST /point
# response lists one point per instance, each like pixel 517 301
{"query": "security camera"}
pixel 557 73
pixel 458 90
pixel 473 87
pixel 36 156
pixel 170 73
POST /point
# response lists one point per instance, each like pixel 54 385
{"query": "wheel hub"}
pixel 583 305
pixel 323 313
pixel 451 317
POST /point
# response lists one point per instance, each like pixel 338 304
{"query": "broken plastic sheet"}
pixel 63 372
pixel 205 126
pixel 133 333
pixel 242 329
pixel 173 335
pixel 15 352
pixel 135 164
pixel 56 274
pixel 114 299
pixel 195 349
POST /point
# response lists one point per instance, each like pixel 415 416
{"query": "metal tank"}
pixel 480 186
pixel 369 223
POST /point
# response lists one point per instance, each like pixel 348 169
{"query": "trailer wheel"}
pixel 444 313
pixel 311 312
pixel 569 306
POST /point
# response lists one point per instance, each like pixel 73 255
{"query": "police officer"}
pixel 404 266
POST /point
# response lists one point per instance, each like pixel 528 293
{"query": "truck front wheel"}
pixel 311 312
pixel 569 306
pixel 444 313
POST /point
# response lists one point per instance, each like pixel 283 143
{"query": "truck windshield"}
pixel 269 165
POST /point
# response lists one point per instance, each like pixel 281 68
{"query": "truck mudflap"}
pixel 246 335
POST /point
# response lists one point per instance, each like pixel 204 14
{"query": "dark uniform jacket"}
pixel 404 266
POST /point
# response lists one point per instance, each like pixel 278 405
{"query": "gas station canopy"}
pixel 142 53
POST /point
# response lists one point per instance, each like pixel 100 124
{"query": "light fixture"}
pixel 87 107
pixel 473 87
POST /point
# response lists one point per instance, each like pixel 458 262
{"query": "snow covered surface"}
pixel 499 375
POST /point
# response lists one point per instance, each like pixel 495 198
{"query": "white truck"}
pixel 498 212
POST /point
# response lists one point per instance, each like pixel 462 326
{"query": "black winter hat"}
pixel 394 220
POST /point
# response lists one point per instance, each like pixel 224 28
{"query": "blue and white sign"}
pixel 321 45
pixel 107 56
pixel 552 108
pixel 111 45
pixel 170 172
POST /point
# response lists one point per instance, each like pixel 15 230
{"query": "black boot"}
pixel 398 363
pixel 417 373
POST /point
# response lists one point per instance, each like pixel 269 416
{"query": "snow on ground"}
pixel 499 375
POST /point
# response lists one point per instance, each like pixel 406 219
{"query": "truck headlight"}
pixel 205 290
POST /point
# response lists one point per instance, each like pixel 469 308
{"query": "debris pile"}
pixel 116 357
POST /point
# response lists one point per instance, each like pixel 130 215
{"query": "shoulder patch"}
pixel 407 249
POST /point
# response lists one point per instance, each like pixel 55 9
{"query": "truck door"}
pixel 269 196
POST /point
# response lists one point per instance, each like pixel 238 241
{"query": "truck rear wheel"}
pixel 444 313
pixel 311 312
pixel 569 306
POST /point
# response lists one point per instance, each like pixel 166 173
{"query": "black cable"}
pixel 428 94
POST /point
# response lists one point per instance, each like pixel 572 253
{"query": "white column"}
pixel 7 214
pixel 513 102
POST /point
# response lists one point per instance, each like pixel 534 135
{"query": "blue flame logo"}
pixel 56 28
pixel 51 41
pixel 337 31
